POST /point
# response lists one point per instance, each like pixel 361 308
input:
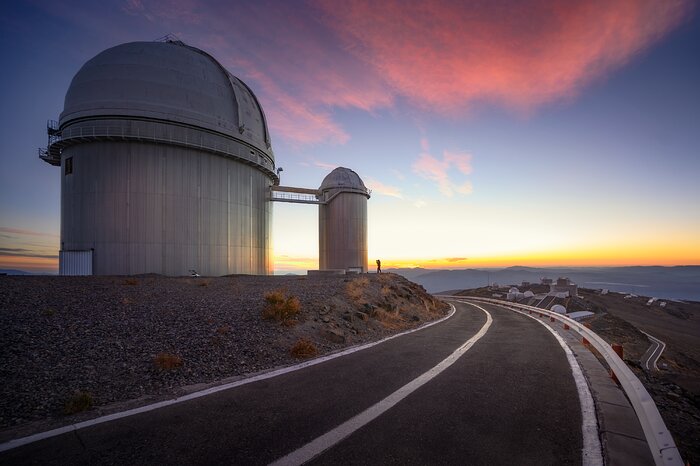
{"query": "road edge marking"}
pixel 592 451
pixel 14 443
pixel 320 444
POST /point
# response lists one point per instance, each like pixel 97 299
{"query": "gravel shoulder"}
pixel 106 344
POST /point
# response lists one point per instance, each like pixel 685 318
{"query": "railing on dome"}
pixel 153 132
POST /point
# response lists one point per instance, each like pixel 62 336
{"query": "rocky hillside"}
pixel 90 344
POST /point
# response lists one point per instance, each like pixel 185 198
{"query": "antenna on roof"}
pixel 170 38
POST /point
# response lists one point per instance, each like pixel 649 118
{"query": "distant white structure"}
pixel 651 301
pixel 558 308
pixel 662 304
pixel 564 285
pixel 514 294
pixel 528 294
pixel 604 291
pixel 630 296
pixel 546 281
pixel 579 315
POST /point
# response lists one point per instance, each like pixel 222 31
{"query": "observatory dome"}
pixel 344 179
pixel 166 81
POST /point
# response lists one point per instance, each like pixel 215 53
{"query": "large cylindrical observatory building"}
pixel 342 221
pixel 166 166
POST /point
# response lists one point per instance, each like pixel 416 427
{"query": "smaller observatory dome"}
pixel 558 308
pixel 343 179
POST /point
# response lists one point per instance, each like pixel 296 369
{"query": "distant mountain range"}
pixel 14 272
pixel 681 282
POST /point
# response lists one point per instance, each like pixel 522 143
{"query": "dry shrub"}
pixel 303 349
pixel 385 291
pixel 49 312
pixel 281 307
pixel 202 282
pixel 78 402
pixel 223 330
pixel 389 320
pixel 127 301
pixel 167 361
pixel 131 281
pixel 356 288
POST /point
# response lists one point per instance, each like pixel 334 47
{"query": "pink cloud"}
pixel 448 56
pixel 378 187
pixel 294 63
pixel 438 171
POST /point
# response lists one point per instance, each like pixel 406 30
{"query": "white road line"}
pixel 659 344
pixel 334 436
pixel 191 396
pixel 591 452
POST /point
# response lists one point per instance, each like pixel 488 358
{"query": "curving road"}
pixel 652 355
pixel 464 391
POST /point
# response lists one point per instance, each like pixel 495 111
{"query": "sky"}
pixel 540 133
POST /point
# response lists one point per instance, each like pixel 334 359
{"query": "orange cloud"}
pixel 447 56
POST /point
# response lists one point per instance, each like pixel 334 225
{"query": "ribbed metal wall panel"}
pixel 156 208
pixel 75 262
pixel 343 232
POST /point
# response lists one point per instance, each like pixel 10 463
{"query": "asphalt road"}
pixel 510 399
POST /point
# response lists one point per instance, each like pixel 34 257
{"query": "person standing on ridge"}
pixel 379 266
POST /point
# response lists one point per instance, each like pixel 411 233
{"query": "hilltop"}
pixel 109 343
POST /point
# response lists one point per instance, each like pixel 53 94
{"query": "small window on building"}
pixel 69 165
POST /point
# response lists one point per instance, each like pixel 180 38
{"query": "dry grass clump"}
pixel 167 361
pixel 202 282
pixel 127 301
pixel 78 402
pixel 281 307
pixel 388 319
pixel 356 288
pixel 223 330
pixel 131 281
pixel 303 349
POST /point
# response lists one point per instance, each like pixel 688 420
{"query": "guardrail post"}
pixel 566 326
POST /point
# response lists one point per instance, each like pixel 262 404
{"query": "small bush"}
pixel 281 307
pixel 127 301
pixel 131 281
pixel 49 312
pixel 79 402
pixel 223 330
pixel 303 349
pixel 167 361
